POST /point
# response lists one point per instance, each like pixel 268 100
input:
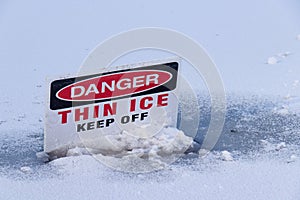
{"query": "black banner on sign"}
pixel 96 88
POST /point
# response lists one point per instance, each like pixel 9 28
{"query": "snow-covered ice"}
pixel 267 170
pixel 260 135
pixel 83 177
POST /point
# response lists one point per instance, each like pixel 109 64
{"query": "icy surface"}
pixel 82 177
pixel 261 133
pixel 257 154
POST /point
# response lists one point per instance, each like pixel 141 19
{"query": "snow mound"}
pixel 134 154
pixel 168 141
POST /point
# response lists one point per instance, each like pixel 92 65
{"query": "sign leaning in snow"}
pixel 85 111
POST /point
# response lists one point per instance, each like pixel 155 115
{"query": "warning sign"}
pixel 83 109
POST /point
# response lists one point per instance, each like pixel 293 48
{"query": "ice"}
pixel 296 83
pixel 280 146
pixel 168 141
pixel 203 152
pixel 292 158
pixel 42 156
pixel 267 145
pixel 283 110
pixel 271 147
pixel 284 55
pixel 26 169
pixel 32 49
pixel 154 152
pixel 226 156
pixel 279 57
pixel 83 177
pixel 272 60
pixel 77 151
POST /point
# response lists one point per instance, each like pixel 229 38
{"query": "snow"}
pixel 279 57
pixel 77 151
pixel 147 154
pixel 26 169
pixel 292 158
pixel 272 60
pixel 269 170
pixel 284 55
pixel 226 156
pixel 42 156
pixel 283 110
pixel 296 83
pixel 280 146
pixel 84 178
pixel 264 147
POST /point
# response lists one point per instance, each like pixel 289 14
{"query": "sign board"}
pixel 86 110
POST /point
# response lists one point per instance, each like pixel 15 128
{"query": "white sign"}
pixel 86 111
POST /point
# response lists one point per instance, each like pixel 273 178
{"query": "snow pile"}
pixel 298 37
pixel 131 153
pixel 168 141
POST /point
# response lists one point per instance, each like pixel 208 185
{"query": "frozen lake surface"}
pixel 261 138
pixel 255 45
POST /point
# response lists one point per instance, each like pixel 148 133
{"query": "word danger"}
pixel 114 85
pixel 122 84
pixel 110 109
